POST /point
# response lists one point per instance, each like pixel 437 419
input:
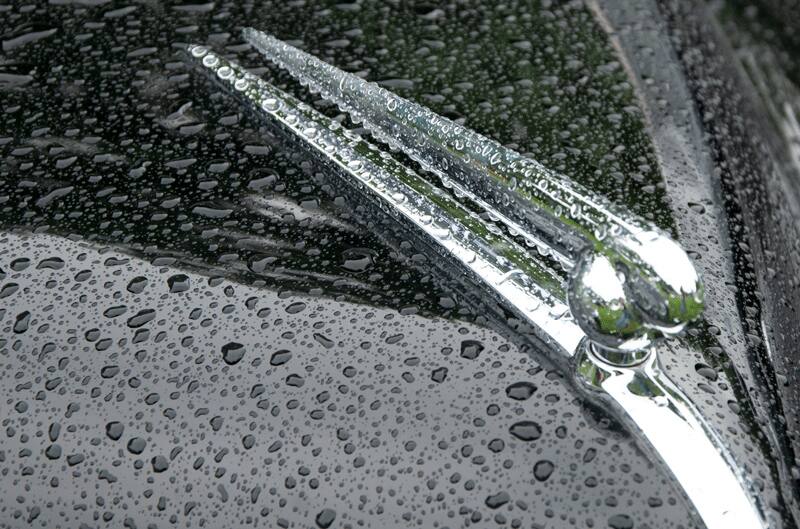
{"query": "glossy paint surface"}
pixel 117 165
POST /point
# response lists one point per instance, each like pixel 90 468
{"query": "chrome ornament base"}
pixel 693 453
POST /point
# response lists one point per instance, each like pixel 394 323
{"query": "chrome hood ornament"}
pixel 631 282
pixel 628 284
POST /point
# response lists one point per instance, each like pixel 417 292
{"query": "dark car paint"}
pixel 362 424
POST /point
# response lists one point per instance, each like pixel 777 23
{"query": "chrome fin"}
pixel 657 290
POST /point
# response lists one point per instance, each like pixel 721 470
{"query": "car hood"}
pixel 197 328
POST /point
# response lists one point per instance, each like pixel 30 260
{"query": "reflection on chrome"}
pixel 627 284
pixel 693 452
pixel 662 291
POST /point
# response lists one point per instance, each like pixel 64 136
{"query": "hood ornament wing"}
pixel 656 290
pixel 628 284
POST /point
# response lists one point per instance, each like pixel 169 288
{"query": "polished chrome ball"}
pixel 601 306
pixel 662 281
pixel 645 289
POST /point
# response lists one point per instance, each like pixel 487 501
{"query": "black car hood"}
pixel 197 330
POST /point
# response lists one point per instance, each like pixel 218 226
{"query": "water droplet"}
pixel 542 469
pixel 520 390
pixel 496 501
pixel 280 357
pixel 232 353
pixel 470 349
pixel 114 430
pixel 178 283
pixel 325 518
pixel 136 445
pixel 620 521
pixel 22 322
pixel 526 430
pixel 143 317
pixel 225 72
pixel 271 104
pixel 137 285
pixel 439 374
pixel 160 464
pixel 18 265
pixel 295 381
